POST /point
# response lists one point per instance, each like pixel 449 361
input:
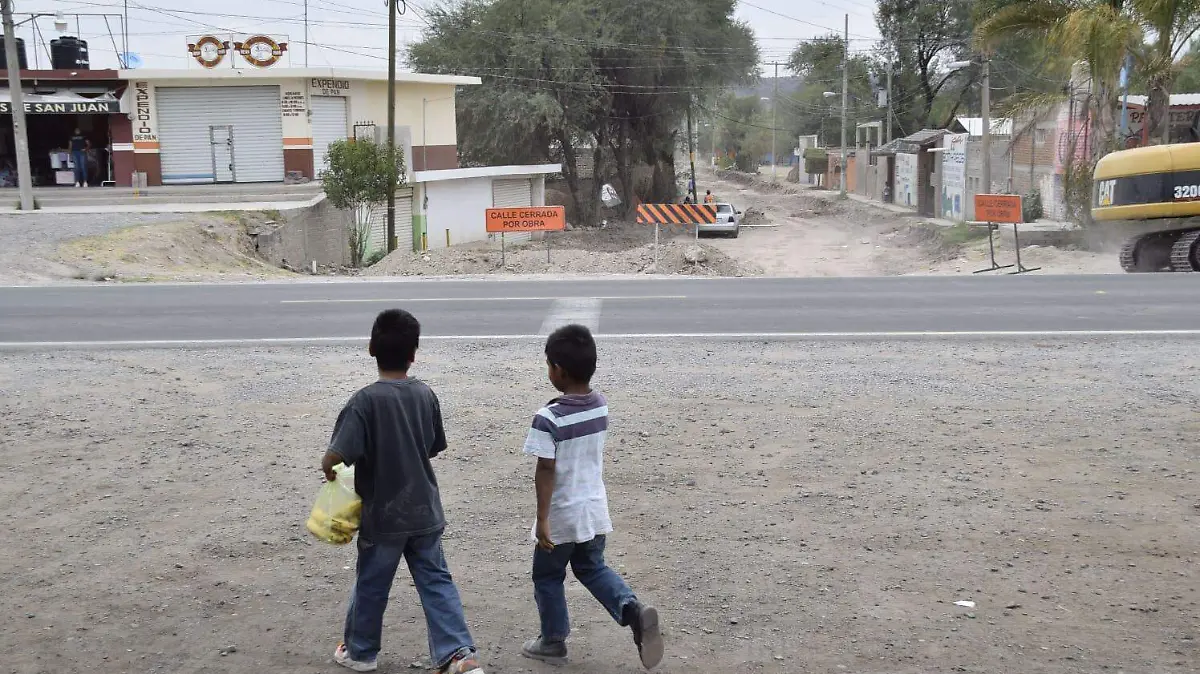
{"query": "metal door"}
pixel 220 142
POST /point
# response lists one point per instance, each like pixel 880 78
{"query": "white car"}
pixel 729 221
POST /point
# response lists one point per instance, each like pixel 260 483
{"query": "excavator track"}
pixel 1128 258
pixel 1153 252
pixel 1184 252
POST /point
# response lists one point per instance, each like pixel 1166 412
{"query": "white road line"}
pixel 582 310
pixel 393 300
pixel 766 336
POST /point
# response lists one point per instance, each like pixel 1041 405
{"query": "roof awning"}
pixel 63 103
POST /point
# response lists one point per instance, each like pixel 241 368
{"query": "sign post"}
pixel 525 219
pixel 675 214
pixel 995 210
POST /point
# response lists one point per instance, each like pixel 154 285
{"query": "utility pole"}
pixel 987 124
pixel 17 104
pixel 774 107
pixel 889 99
pixel 691 150
pixel 845 96
pixel 305 33
pixel 391 130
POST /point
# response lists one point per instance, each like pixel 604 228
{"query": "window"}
pixel 724 208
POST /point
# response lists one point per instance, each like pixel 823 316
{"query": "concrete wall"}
pixel 428 109
pixel 952 177
pixel 319 233
pixel 906 180
pixel 1001 169
pixel 457 206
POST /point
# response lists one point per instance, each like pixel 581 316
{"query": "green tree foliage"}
pixel 743 131
pixel 819 63
pixel 358 178
pixel 919 37
pixel 563 78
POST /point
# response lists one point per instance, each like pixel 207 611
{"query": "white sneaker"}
pixel 342 657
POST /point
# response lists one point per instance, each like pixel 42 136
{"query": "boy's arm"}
pixel 328 461
pixel 439 429
pixel 543 481
pixel 348 442
pixel 542 442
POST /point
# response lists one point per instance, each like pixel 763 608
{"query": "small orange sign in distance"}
pixel 998 208
pixel 526 219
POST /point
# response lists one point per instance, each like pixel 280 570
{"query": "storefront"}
pixel 55 107
pixel 274 125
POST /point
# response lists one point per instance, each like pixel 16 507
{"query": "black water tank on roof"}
pixel 69 53
pixel 21 60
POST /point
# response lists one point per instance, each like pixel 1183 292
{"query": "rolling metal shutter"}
pixel 185 115
pixel 404 222
pixel 329 123
pixel 513 194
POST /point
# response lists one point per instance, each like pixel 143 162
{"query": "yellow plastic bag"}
pixel 338 511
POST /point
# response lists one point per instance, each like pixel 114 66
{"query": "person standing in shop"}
pixel 79 155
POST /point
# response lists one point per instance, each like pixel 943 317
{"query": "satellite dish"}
pixel 132 60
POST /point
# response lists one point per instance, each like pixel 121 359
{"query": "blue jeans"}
pixel 80 159
pixel 377 565
pixel 587 563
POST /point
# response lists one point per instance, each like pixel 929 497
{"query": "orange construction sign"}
pixel 998 208
pixel 526 219
pixel 676 214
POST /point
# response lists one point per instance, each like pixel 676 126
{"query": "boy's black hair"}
pixel 394 340
pixel 572 348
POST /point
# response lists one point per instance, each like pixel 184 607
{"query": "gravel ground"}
pixel 790 507
pixel 28 243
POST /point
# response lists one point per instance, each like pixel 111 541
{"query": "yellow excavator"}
pixel 1152 194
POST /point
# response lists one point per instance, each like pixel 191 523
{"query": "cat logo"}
pixel 1105 190
pixel 261 51
pixel 209 51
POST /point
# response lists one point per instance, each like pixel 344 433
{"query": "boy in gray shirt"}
pixel 390 431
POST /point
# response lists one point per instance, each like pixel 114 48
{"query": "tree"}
pixel 357 180
pixel 744 130
pixel 1094 34
pixel 560 78
pixel 1171 23
pixel 918 37
pixel 819 63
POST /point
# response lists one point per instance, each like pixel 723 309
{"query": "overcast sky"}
pixel 353 33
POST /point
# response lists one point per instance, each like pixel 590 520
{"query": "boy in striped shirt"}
pixel 572 506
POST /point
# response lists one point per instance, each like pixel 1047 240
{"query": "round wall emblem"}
pixel 209 51
pixel 261 51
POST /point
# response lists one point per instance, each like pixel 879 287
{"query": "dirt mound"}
pixel 198 248
pixel 753 217
pixel 621 248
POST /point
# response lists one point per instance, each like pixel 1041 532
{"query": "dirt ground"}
pixel 814 234
pixel 195 248
pixel 619 248
pixel 788 231
pixel 814 507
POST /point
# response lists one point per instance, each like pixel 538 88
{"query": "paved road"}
pixel 295 312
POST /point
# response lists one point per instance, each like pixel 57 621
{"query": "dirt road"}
pixel 812 233
pixel 795 507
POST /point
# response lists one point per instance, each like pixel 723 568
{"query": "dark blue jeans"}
pixel 587 563
pixel 80 159
pixel 377 565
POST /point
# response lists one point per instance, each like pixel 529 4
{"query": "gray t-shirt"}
pixel 389 431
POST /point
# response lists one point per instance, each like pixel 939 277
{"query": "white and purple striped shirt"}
pixel 572 430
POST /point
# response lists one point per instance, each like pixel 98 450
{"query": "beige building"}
pixel 269 125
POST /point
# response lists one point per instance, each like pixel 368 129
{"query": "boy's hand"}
pixel 327 463
pixel 543 536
